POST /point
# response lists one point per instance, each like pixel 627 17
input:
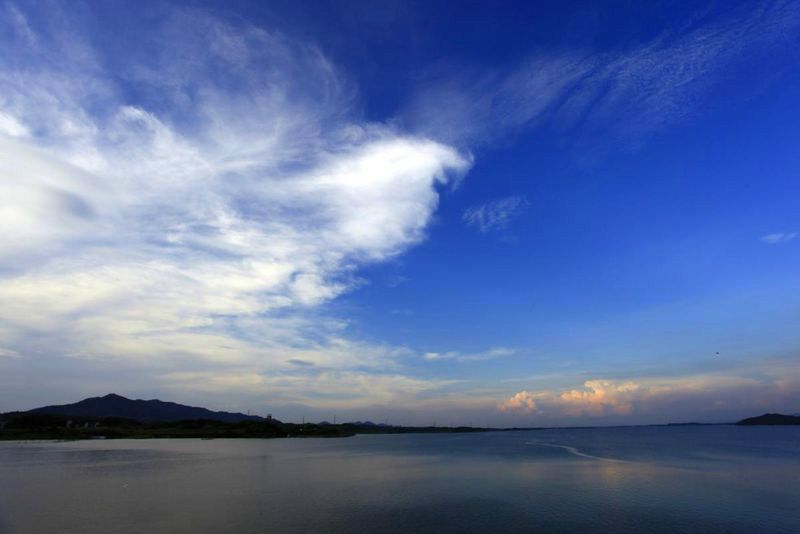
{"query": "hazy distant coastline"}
pixel 113 416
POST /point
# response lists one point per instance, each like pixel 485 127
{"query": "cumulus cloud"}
pixel 524 402
pixel 202 211
pixel 597 397
pixel 779 237
pixel 494 215
pixel 642 399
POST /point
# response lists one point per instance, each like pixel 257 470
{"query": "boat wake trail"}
pixel 575 451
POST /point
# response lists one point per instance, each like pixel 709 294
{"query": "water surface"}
pixel 648 479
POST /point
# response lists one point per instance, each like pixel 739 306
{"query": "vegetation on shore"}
pixel 114 416
pixel 31 425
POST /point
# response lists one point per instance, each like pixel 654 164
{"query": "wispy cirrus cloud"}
pixel 617 96
pixel 494 215
pixel 201 212
pixel 778 238
pixel 339 389
pixel 491 354
pixel 8 353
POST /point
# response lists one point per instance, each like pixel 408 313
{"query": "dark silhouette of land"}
pixel 114 416
pixel 771 419
pixel 113 405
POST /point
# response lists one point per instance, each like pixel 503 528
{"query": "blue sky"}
pixel 534 213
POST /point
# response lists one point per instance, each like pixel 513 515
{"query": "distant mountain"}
pixel 113 405
pixel 771 419
pixel 365 423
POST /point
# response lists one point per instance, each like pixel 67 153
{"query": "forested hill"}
pixel 113 405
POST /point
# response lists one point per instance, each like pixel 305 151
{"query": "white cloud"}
pixel 777 238
pixel 494 215
pixel 649 398
pixel 524 402
pixel 206 221
pixel 473 109
pixel 597 397
pixel 8 353
pixel 336 389
pixel 491 354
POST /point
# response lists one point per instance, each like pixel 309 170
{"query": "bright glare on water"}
pixel 649 479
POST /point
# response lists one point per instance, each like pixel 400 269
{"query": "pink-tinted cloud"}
pixel 523 401
pixel 648 397
pixel 596 397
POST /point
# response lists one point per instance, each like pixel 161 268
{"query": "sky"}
pixel 499 213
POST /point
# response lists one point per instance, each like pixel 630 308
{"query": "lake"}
pixel 645 479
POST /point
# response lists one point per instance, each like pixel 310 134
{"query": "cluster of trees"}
pixel 28 425
pixel 37 425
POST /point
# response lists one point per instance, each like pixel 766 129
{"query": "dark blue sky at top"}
pixel 647 251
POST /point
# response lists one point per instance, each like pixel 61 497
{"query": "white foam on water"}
pixel 575 451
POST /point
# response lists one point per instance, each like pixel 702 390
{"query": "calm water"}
pixel 678 479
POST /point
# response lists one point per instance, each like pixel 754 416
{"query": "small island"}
pixel 771 419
